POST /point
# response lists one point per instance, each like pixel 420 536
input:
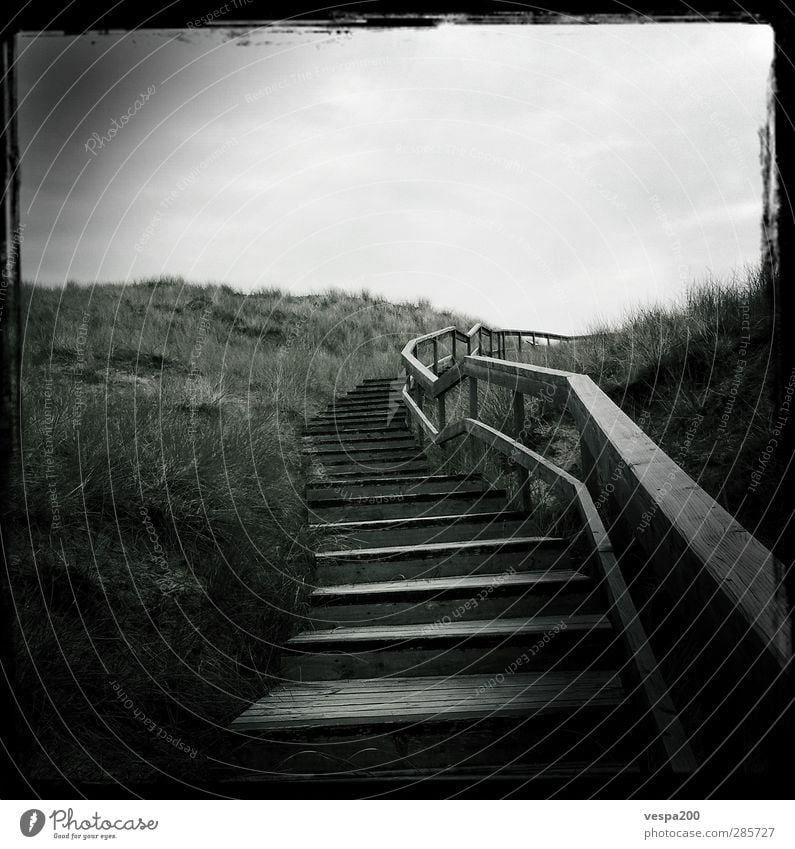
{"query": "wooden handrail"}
pixel 697 544
pixel 414 368
pixel 727 586
pixel 730 567
pixel 669 745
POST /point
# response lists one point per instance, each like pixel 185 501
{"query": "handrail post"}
pixel 455 340
pixel 519 337
pixel 521 472
pixel 435 356
pixel 480 341
pixel 477 454
pixel 418 396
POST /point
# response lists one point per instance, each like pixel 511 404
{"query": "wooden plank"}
pixel 480 629
pixel 550 384
pixel 429 549
pixel 419 522
pixel 694 543
pixel 385 480
pixel 521 695
pixel 494 604
pixel 348 498
pixel 463 583
pixel 418 416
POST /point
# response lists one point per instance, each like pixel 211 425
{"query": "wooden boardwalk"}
pixel 448 635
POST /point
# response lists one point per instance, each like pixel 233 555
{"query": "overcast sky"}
pixel 533 176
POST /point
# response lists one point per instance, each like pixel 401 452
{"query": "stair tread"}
pixel 454 583
pixel 519 626
pixel 422 521
pixel 321 483
pixel 438 547
pixel 431 699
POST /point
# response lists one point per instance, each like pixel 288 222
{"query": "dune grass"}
pixel 697 376
pixel 157 533
pixel 157 536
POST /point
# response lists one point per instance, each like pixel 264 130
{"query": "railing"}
pixel 727 585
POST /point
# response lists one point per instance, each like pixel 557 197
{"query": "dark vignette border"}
pixel 79 16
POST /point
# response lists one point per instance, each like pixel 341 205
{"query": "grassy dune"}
pixel 157 539
pixel 697 377
pixel 157 535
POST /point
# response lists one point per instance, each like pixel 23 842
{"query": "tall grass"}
pixel 159 551
pixel 695 374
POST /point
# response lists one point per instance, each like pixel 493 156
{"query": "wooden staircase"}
pixel 447 634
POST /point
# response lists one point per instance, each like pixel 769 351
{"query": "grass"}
pixel 696 375
pixel 158 549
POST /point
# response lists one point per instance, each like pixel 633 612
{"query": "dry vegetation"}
pixel 157 536
pixel 157 539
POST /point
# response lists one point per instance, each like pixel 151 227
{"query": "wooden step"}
pixel 396 484
pixel 429 529
pixel 422 588
pixel 359 417
pixel 425 601
pixel 405 443
pixel 384 401
pixel 347 507
pixel 453 633
pixel 333 455
pixel 429 699
pixel 345 431
pixel 436 549
pixel 356 470
pixel 357 439
pixel 538 554
pixel 338 478
pixel 532 644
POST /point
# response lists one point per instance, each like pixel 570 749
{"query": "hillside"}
pixel 697 377
pixel 157 538
pixel 157 534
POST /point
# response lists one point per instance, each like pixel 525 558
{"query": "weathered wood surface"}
pixel 430 699
pixel 460 587
pixel 701 551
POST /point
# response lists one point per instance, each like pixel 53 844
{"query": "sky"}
pixel 541 177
